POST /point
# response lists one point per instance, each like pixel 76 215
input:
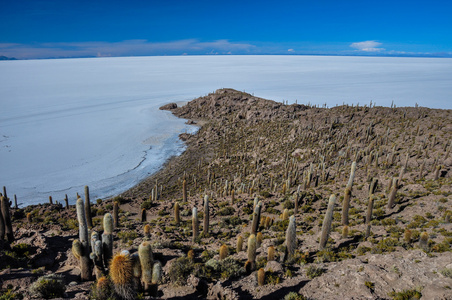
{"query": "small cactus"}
pixel 261 277
pixel 423 241
pixel 291 237
pixel 326 226
pixel 121 274
pixel 143 215
pixel 259 239
pixel 191 255
pixel 147 231
pixel 223 252
pixel 239 243
pixel 271 253
pixel 285 214
pixel 345 231
pixel 393 193
pixel 29 218
pixel 407 236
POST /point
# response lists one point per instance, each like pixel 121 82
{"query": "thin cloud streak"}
pixel 368 46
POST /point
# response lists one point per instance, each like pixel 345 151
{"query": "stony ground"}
pixel 283 155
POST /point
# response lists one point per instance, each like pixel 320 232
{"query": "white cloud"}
pixel 367 46
pixel 291 50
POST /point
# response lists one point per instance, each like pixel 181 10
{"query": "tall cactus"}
pixel 256 218
pixel 239 243
pixel 184 190
pixel 251 251
pixel 107 238
pixel 393 193
pixel 2 222
pixel 346 206
pixel 206 216
pixel 352 176
pixel 370 207
pixel 326 226
pixel 291 237
pixel 176 213
pixel 147 262
pixel 97 255
pixel 83 250
pixel 195 225
pixel 89 219
pixel 8 227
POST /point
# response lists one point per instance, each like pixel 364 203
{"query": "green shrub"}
pixel 294 296
pixel 406 295
pixel 446 272
pixel 48 286
pixel 313 271
pixel 226 211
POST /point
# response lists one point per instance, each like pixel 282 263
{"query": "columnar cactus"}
pixel 2 222
pixel 370 207
pixel 251 251
pixel 97 255
pixel 232 197
pixel 195 225
pixel 345 231
pixel 285 214
pixel 147 231
pixel 176 213
pixel 66 200
pixel 147 263
pixel 259 239
pixel 206 216
pixel 239 243
pixel 346 206
pixel 256 218
pixel 407 236
pixel 107 238
pixel 50 200
pixel 393 193
pixel 352 176
pixel 326 226
pixel 89 220
pixel 184 190
pixel 116 214
pixel 136 271
pixel 121 274
pixel 82 247
pixel 291 237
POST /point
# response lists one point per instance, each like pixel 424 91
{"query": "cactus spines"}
pixel 121 274
pixel 345 232
pixel 271 253
pixel 116 214
pixel 291 237
pixel 96 256
pixel 184 190
pixel 176 213
pixel 326 226
pixel 239 243
pixel 423 241
pixel 223 252
pixel 256 218
pixel 261 277
pixel 107 238
pixel 143 215
pixel 206 216
pixel 346 206
pixel 393 193
pixel 8 228
pixel 77 249
pixel 195 225
pixel 85 264
pixel 251 251
pixel 157 272
pixel 89 220
pixel 147 262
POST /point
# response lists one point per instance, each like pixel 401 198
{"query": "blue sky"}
pixel 78 28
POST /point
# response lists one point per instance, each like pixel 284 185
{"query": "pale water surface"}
pixel 73 122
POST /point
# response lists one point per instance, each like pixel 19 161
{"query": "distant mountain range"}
pixel 7 58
